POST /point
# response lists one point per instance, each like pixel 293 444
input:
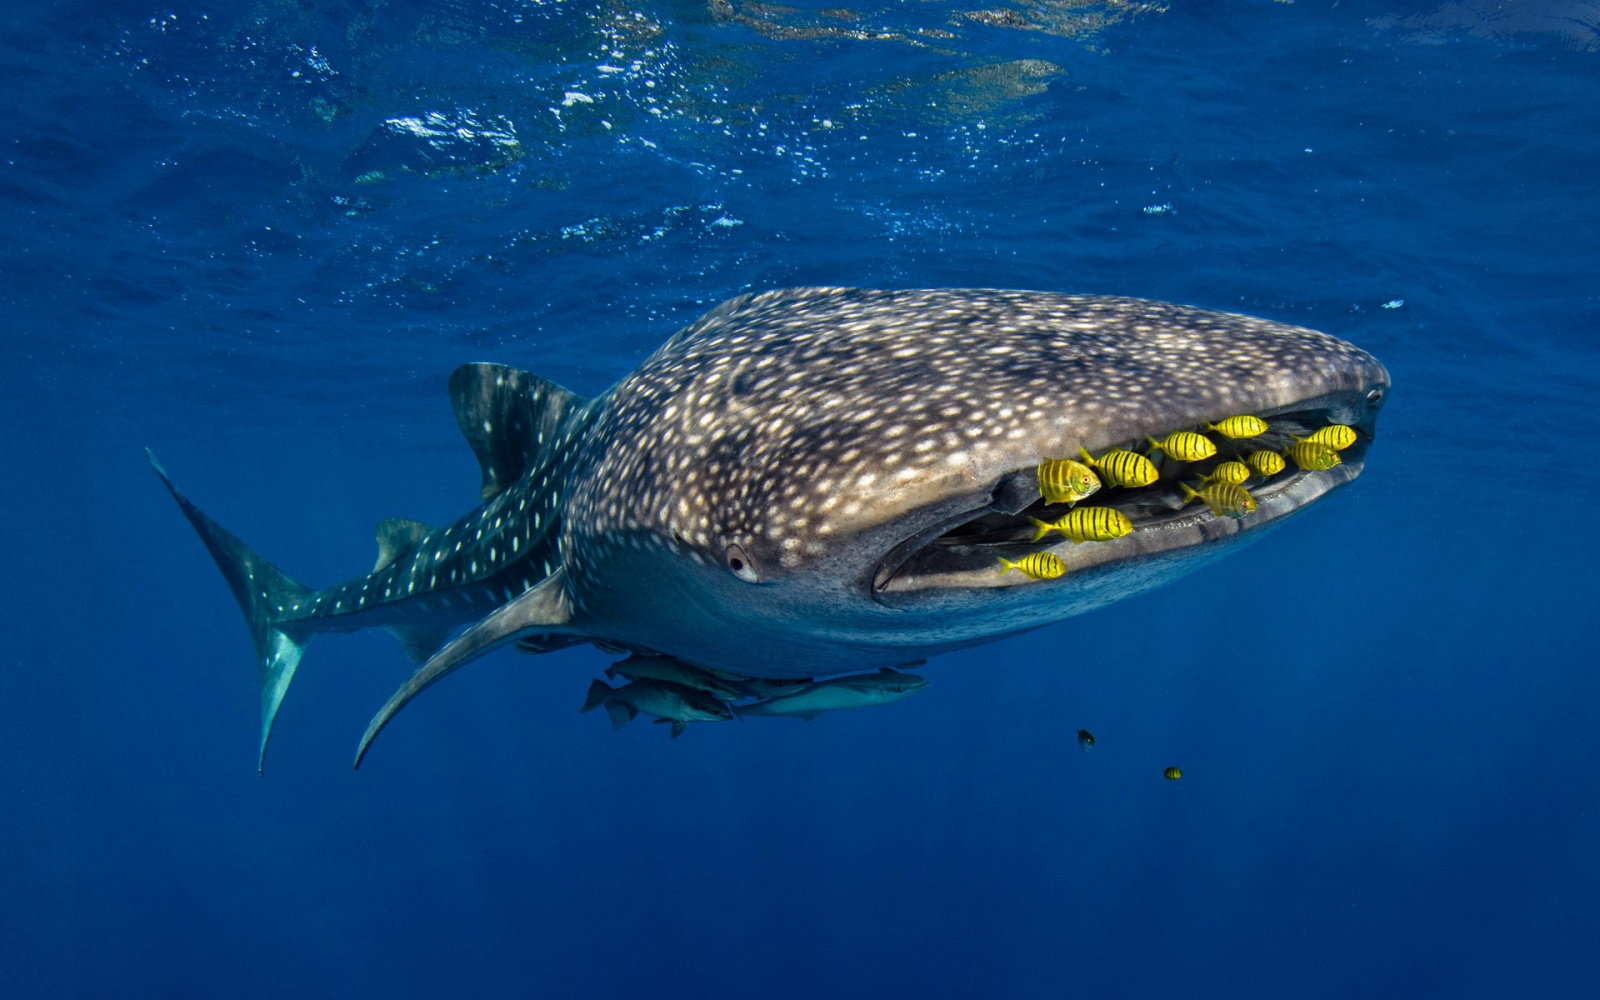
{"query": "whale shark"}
pixel 809 482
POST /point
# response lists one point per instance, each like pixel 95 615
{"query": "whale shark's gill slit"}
pixel 1012 496
pixel 898 556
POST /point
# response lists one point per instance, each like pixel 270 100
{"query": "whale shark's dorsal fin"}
pixel 397 536
pixel 506 414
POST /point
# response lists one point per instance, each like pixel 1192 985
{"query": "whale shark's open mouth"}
pixel 966 549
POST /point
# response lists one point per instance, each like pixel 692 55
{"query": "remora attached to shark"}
pixel 834 694
pixel 816 481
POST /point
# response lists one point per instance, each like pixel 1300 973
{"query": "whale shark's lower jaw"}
pixel 964 551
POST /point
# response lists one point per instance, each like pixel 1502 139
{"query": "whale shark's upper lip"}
pixel 958 545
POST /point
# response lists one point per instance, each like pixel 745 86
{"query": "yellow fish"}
pixel 1234 473
pixel 1224 499
pixel 1265 463
pixel 1123 468
pixel 1312 455
pixel 1173 773
pixel 1038 565
pixel 1062 480
pixel 1335 436
pixel 1244 426
pixel 1086 524
pixel 1185 446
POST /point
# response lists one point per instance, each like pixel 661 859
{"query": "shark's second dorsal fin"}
pixel 398 536
pixel 507 415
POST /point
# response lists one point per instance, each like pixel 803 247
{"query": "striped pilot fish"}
pixel 1336 436
pixel 1038 565
pixel 1264 463
pixel 1230 472
pixel 1242 426
pixel 1313 456
pixel 1128 469
pixel 1224 499
pixel 1184 446
pixel 1086 524
pixel 1063 480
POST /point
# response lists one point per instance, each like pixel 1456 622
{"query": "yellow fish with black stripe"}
pixel 1336 436
pixel 1038 565
pixel 1265 463
pixel 1184 446
pixel 1086 524
pixel 1224 499
pixel 1064 480
pixel 1313 456
pixel 1242 426
pixel 1123 468
pixel 1234 472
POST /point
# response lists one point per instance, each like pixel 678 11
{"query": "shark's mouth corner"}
pixel 965 550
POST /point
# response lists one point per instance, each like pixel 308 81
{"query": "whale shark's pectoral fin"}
pixel 545 608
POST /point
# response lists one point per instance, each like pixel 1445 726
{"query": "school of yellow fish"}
pixel 1069 481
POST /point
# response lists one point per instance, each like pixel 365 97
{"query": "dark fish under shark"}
pixel 816 481
pixel 667 701
pixel 647 666
pixel 837 693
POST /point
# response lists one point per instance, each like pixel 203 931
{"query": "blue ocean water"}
pixel 257 237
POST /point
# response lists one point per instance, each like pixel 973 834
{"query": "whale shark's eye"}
pixel 741 565
pixel 1375 396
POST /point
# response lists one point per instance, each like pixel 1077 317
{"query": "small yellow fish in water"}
pixel 1336 436
pixel 1265 463
pixel 1224 499
pixel 1063 480
pixel 1123 468
pixel 1234 473
pixel 1086 524
pixel 1038 565
pixel 1313 456
pixel 1185 446
pixel 1085 740
pixel 1243 426
pixel 1173 773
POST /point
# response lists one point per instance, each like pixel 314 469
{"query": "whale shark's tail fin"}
pixel 263 592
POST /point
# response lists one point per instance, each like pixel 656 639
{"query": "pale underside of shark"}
pixel 815 481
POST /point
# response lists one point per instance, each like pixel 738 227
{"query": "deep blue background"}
pixel 1388 744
